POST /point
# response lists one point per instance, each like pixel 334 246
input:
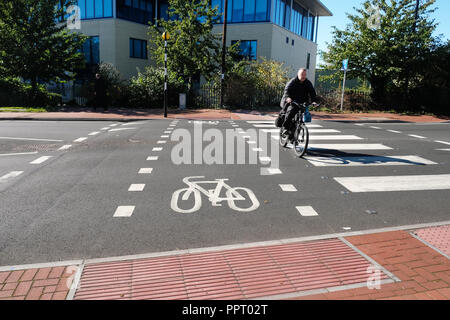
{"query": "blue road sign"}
pixel 345 65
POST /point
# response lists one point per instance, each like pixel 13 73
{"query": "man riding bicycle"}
pixel 298 89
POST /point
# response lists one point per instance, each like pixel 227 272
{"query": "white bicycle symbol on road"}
pixel 232 195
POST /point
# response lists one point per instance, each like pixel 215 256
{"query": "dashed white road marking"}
pixel 270 171
pixel 124 211
pixel 416 136
pixel 40 160
pixel 396 183
pixel 114 125
pixel 307 211
pixel 288 188
pixel 136 187
pixel 67 146
pixel 152 158
pixel 31 139
pixel 17 154
pixel 251 142
pixel 443 142
pixel 373 127
pixel 157 149
pixel 10 175
pixel 394 131
pixel 368 161
pixel 443 149
pixel 121 129
pixel 145 170
pixel 265 160
pixel 165 136
pixel 93 133
pixel 260 121
pixel 80 139
pixel 161 141
pixel 359 124
pixel 257 149
pixel 105 128
pixel 167 132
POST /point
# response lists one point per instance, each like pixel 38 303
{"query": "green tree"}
pixel 193 48
pixel 391 57
pixel 34 45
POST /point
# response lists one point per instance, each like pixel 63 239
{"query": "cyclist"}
pixel 298 89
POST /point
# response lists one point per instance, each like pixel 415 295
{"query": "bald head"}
pixel 302 74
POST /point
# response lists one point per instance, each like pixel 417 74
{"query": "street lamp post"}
pixel 224 46
pixel 166 37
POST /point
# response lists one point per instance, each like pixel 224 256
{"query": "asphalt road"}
pixel 63 197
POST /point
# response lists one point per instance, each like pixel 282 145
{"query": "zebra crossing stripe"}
pixel 310 130
pixel 396 183
pixel 368 161
pixel 10 175
pixel 366 146
pixel 288 188
pixel 307 211
pixel 124 211
pixel 335 137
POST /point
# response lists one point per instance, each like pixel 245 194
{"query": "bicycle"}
pixel 213 195
pixel 300 136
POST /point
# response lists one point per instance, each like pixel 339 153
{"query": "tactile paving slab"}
pixel 438 237
pixel 231 274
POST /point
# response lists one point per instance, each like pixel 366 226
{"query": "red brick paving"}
pixel 425 273
pixel 36 284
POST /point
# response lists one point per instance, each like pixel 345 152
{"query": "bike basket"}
pixel 307 116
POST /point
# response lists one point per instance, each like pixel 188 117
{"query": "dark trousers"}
pixel 100 102
pixel 291 111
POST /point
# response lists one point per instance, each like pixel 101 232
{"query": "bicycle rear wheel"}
pixel 301 143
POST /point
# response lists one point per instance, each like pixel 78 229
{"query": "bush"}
pixel 14 92
pixel 146 90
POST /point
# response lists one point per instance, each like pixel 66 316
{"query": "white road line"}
pixel 167 132
pixel 161 141
pixel 443 142
pixel 310 130
pixel 257 149
pixel 67 146
pixel 165 136
pixel 251 142
pixel 313 125
pixel 157 149
pixel 105 128
pixel 145 170
pixel 270 171
pixel 121 129
pixel 93 133
pixel 335 137
pixel 40 160
pixel 114 125
pixel 260 121
pixel 443 149
pixel 359 124
pixel 80 139
pixel 367 146
pixel 17 154
pixel 136 187
pixel 394 131
pixel 152 158
pixel 124 211
pixel 416 136
pixel 288 187
pixel 396 183
pixel 307 211
pixel 31 139
pixel 368 161
pixel 10 175
pixel 378 128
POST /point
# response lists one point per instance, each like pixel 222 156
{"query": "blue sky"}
pixel 339 19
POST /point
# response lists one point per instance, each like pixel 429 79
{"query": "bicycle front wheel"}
pixel 301 141
pixel 284 138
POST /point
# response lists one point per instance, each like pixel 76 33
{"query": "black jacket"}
pixel 298 91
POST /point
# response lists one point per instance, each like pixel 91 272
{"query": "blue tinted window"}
pixel 91 50
pixel 90 9
pixel 238 10
pixel 136 4
pixel 98 8
pixel 135 10
pixel 128 3
pixel 138 48
pixel 230 10
pixel 287 14
pixel 249 10
pixel 261 10
pixel 247 48
pixel 107 8
pixel 95 50
pixel 82 5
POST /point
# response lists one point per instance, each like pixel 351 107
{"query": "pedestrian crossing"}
pixel 333 143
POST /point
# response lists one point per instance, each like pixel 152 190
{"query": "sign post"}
pixel 166 37
pixel 344 68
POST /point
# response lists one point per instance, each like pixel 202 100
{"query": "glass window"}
pixel 128 3
pixel 138 11
pixel 308 60
pixel 138 48
pixel 89 9
pixel 238 10
pixel 287 14
pixel 107 8
pixel 249 10
pixel 95 50
pixel 98 8
pixel 261 10
pixel 136 4
pixel 247 48
pixel 82 5
pixel 91 50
